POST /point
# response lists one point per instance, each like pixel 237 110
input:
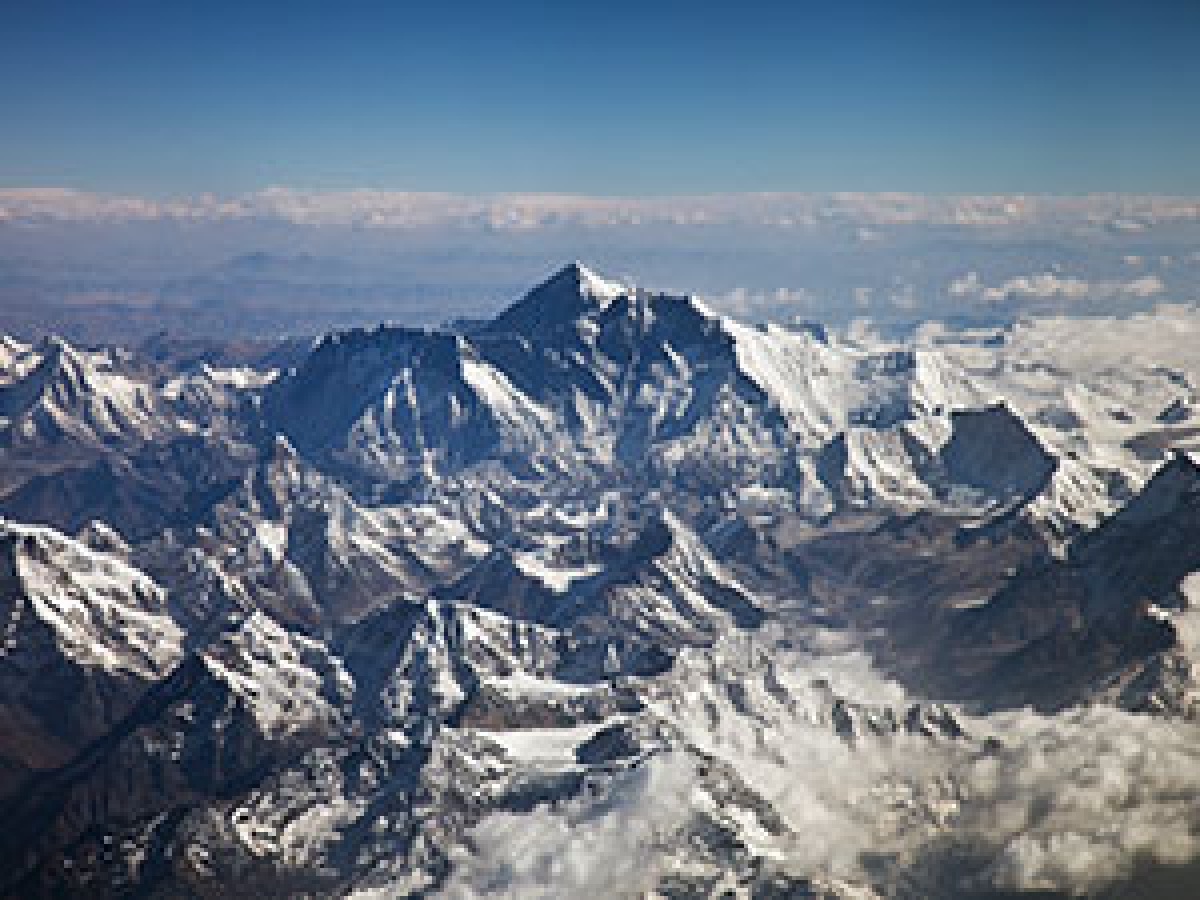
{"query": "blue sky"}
pixel 617 97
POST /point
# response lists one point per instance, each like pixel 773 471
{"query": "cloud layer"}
pixel 407 209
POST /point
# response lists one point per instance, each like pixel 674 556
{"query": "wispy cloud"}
pixel 1050 285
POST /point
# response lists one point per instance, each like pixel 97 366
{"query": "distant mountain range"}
pixel 289 263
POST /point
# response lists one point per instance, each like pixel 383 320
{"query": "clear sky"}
pixel 604 97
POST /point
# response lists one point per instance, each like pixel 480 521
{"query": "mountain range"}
pixel 609 595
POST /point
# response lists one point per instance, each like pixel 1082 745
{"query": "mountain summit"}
pixel 571 292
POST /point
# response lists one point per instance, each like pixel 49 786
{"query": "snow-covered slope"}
pixel 70 395
pixel 291 540
pixel 82 634
pixel 583 373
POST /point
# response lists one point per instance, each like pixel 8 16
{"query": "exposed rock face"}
pixel 992 451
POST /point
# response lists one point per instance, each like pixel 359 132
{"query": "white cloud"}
pixel 742 303
pixel 1051 285
pixel 1074 800
pixel 402 209
pixel 586 847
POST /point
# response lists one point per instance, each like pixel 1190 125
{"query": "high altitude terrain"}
pixel 607 596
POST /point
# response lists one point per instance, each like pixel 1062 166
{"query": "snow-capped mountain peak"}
pixel 570 293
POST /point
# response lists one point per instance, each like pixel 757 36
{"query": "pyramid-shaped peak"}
pixel 573 291
pixel 1180 469
pixel 580 280
pixel 1177 479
